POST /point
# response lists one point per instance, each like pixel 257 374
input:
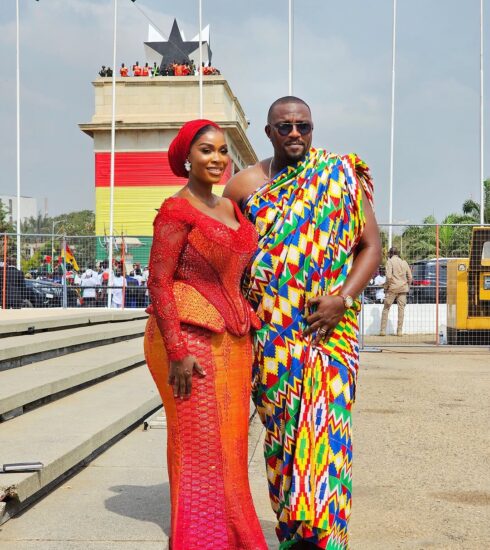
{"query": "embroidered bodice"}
pixel 196 265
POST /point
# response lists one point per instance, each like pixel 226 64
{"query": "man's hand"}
pixel 329 312
pixel 180 375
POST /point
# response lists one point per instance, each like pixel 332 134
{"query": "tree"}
pixel 5 225
pixel 472 208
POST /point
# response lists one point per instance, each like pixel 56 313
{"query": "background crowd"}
pixel 42 287
pixel 183 68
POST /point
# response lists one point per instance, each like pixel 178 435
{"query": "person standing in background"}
pixel 398 281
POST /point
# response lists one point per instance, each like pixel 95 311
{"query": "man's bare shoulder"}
pixel 243 184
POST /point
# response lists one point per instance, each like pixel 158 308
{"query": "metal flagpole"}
pixel 390 215
pixel 18 135
pixel 290 42
pixel 482 176
pixel 200 62
pixel 113 147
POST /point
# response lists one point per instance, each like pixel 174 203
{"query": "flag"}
pixel 69 257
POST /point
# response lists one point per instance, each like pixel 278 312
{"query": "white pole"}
pixel 113 148
pixel 290 43
pixel 18 136
pixel 392 143
pixel 482 174
pixel 201 106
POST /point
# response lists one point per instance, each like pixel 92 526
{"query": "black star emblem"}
pixel 175 49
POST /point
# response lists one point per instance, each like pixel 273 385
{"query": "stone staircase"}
pixel 71 384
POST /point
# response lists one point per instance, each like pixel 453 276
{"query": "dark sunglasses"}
pixel 285 128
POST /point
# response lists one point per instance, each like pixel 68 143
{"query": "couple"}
pixel 283 260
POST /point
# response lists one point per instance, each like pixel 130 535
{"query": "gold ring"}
pixel 322 331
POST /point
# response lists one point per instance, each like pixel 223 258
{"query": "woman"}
pixel 198 348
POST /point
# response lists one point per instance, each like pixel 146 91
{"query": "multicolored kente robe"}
pixel 310 219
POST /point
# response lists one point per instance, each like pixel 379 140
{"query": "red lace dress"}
pixel 196 264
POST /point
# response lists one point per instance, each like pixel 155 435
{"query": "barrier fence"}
pixel 448 301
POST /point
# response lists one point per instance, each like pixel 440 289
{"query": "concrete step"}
pixel 16 351
pixel 24 388
pixel 66 434
pixel 29 321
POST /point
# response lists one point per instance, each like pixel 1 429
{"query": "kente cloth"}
pixel 196 264
pixel 309 219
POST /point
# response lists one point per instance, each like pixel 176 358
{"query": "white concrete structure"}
pixel 28 207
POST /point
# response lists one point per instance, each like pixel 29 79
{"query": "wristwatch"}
pixel 348 300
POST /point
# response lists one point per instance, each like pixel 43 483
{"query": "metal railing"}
pixel 439 302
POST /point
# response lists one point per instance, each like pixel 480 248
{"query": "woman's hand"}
pixel 180 375
pixel 329 312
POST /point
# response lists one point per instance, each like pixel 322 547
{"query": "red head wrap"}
pixel 181 145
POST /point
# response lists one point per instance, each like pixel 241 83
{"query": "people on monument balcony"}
pixel 108 72
pixel 155 69
pixel 123 71
pixel 145 70
pixel 103 71
pixel 136 69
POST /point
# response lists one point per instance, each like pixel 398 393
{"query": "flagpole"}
pixel 482 158
pixel 201 106
pixel 113 147
pixel 18 133
pixel 392 142
pixel 290 44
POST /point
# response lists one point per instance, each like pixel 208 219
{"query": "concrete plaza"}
pixel 421 468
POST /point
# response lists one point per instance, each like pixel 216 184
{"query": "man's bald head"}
pixel 283 101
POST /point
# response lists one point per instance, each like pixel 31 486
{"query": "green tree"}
pixel 5 225
pixel 472 208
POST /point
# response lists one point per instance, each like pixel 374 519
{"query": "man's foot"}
pixel 399 333
pixel 382 333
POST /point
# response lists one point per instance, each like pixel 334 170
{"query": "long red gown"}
pixel 196 264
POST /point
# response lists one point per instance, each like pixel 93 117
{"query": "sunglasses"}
pixel 285 128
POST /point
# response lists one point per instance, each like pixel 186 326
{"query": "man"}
pixel 89 283
pixel 318 246
pixel 398 281
pixel 379 283
pixel 15 286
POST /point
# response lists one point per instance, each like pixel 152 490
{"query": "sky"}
pixel 342 68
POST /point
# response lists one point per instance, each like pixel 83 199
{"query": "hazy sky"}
pixel 342 68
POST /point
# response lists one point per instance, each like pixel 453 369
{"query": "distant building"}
pixel 149 113
pixel 28 207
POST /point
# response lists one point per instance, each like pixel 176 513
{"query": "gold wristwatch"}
pixel 348 300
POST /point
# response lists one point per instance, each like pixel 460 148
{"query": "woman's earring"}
pixel 187 165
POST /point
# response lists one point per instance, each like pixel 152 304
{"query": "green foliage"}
pixel 72 223
pixel 419 242
pixel 5 225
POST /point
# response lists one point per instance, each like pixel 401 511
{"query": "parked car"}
pixel 423 289
pixel 44 293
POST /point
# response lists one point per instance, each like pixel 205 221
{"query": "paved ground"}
pixel 421 469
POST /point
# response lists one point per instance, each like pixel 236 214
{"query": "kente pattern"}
pixel 197 309
pixel 310 219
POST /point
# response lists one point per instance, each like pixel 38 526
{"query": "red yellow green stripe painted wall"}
pixel 142 180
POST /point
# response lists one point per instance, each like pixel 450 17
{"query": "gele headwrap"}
pixel 181 145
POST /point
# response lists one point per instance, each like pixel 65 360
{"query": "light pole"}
pixel 392 141
pixel 482 157
pixel 18 131
pixel 290 48
pixel 201 101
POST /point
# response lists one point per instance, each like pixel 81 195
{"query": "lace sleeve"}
pixel 169 238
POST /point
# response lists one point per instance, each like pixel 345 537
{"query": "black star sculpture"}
pixel 175 49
